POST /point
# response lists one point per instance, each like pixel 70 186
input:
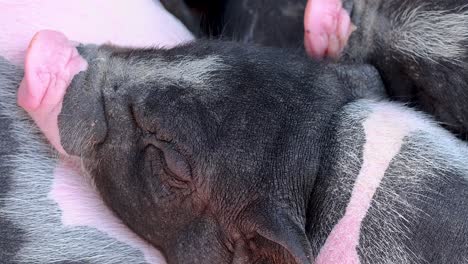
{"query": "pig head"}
pixel 209 151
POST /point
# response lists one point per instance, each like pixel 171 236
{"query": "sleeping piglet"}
pixel 217 152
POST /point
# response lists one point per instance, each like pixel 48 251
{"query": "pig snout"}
pixel 327 26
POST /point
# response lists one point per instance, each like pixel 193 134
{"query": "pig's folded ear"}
pixel 278 226
pixel 51 62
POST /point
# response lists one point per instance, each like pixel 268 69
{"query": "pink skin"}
pixel 384 138
pixel 327 28
pixel 141 23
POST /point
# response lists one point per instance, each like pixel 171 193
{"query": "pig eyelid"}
pixel 175 164
pixel 175 181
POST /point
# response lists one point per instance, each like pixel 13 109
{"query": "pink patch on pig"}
pixel 135 23
pixel 81 205
pixel 385 130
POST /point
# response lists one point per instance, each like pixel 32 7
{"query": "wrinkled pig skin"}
pixel 50 211
pixel 215 158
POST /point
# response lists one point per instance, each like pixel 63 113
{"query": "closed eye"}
pixel 174 164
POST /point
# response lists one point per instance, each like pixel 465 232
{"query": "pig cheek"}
pixel 82 206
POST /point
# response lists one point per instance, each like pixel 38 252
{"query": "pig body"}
pixel 419 47
pixel 252 167
pixel 396 190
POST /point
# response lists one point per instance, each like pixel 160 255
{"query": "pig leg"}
pixel 51 62
pixel 327 28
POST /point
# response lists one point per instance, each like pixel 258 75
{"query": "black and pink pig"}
pixel 261 157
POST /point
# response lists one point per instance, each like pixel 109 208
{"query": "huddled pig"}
pixel 419 48
pixel 50 211
pixel 218 152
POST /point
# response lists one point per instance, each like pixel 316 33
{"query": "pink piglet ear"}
pixel 51 62
pixel 327 27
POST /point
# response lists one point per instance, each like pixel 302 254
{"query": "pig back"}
pixel 396 184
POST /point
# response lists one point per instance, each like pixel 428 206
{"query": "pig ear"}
pixel 51 62
pixel 327 28
pixel 276 225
